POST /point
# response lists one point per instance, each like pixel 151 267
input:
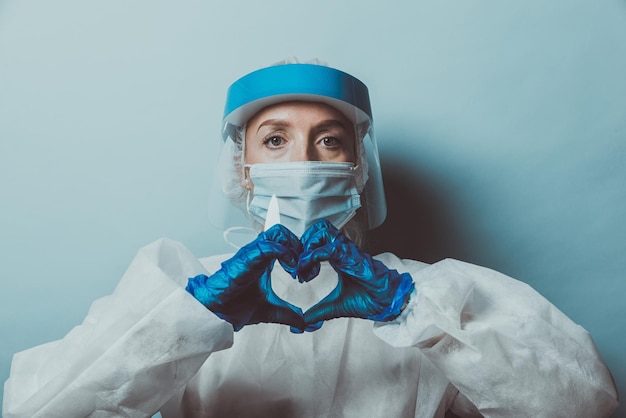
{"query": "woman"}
pixel 301 161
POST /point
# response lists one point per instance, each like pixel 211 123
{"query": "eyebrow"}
pixel 282 123
pixel 273 122
pixel 331 123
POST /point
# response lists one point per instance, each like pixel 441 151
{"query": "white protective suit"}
pixel 470 339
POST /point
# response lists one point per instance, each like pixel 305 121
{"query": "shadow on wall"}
pixel 419 223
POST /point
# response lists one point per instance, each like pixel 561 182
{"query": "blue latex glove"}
pixel 241 293
pixel 366 288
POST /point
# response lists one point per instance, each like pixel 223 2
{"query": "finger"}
pixel 343 254
pixel 319 234
pixel 295 330
pixel 281 234
pixel 196 286
pixel 286 254
pixel 314 327
pixel 252 257
pixel 321 312
pixel 287 247
pixel 278 310
pixel 328 308
pixel 261 253
pixel 317 247
pixel 288 258
pixel 247 266
pixel 286 315
pixel 290 267
pixel 347 258
pixel 309 263
pixel 322 224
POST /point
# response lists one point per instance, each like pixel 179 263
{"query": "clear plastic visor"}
pixel 228 193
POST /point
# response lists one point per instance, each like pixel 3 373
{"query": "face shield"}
pixel 287 83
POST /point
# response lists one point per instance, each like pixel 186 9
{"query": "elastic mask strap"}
pixel 248 199
pixel 235 229
pixel 305 168
pixel 345 221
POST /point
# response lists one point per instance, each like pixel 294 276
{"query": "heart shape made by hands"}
pixel 307 294
pixel 303 295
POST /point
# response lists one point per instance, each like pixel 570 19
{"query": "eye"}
pixel 273 141
pixel 331 142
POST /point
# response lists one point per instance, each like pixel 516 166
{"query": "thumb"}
pixel 319 313
pixel 280 311
pixel 309 263
pixel 328 308
pixel 287 314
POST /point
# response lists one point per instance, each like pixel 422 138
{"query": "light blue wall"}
pixel 502 126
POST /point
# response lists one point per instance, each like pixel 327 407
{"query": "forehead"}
pixel 298 110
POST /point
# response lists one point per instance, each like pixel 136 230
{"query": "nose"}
pixel 305 151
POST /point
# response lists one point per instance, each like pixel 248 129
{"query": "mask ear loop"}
pixel 248 199
pixel 235 229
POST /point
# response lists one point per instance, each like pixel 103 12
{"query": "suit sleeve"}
pixel 507 350
pixel 134 349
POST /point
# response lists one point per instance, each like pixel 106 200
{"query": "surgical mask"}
pixel 307 191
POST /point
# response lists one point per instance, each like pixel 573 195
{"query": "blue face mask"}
pixel 307 191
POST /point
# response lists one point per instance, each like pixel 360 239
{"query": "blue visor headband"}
pixel 290 82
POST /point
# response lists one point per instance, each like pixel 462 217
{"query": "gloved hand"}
pixel 366 289
pixel 241 293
